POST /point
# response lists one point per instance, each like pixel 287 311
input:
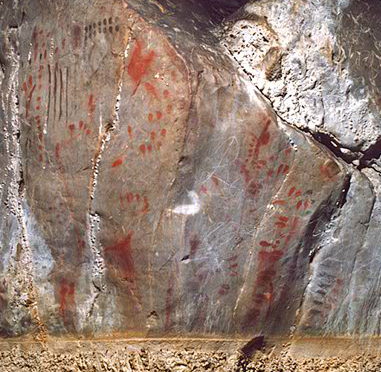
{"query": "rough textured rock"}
pixel 148 189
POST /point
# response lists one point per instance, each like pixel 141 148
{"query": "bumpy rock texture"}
pixel 148 189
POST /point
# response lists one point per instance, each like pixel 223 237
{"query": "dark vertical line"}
pixel 55 91
pixel 50 83
pixel 67 93
pixel 61 89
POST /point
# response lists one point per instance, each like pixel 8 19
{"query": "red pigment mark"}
pixel 163 132
pixel 159 115
pixel 298 193
pixel 279 169
pixel 66 298
pixel 215 180
pixel 263 243
pixel 149 148
pixel 224 289
pixel 283 219
pixel 57 151
pixel 151 90
pixel 120 257
pixel 139 64
pixel 81 124
pixel 299 205
pixel 117 163
pixel 130 132
pixel 166 94
pixel 291 191
pixel 288 151
pixel 281 225
pixel 146 206
pixel 203 189
pixel 72 128
pixel 280 202
pixel 35 52
pixel 88 131
pixel 169 109
pixel 194 246
pixel 153 136
pixel 91 106
pixel 56 50
pixel 150 117
pixel 63 43
pixel 142 149
pixel 30 80
pixel 286 169
pixel 158 145
pixel 76 40
pixel 29 99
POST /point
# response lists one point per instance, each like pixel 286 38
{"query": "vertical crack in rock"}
pixel 94 220
pixel 24 290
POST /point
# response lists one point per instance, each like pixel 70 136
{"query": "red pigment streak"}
pixel 146 206
pixel 142 149
pixel 40 147
pixel 30 80
pixel 149 147
pixel 163 132
pixel 81 124
pixel 38 99
pixel 63 43
pixel 129 197
pixel 120 257
pixel 169 109
pixel 129 130
pixel 57 151
pixel 137 196
pixel 215 180
pixel 35 52
pixel 72 128
pixel 194 246
pixel 88 131
pixel 56 50
pixel 279 169
pixel 28 101
pixel 91 106
pixel 139 63
pixel 151 90
pixel 159 115
pixel 166 94
pixel 76 41
pixel 299 205
pixel 150 117
pixel 291 191
pixel 286 169
pixel 66 296
pixel 153 136
pixel 298 194
pixel 280 202
pixel 263 243
pixel 158 145
pixel 283 219
pixel 117 163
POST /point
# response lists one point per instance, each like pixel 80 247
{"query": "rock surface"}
pixel 148 189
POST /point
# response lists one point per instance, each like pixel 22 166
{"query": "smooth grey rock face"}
pixel 149 189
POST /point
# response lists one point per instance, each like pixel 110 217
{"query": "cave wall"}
pixel 167 174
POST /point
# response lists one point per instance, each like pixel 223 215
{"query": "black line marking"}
pixel 50 83
pixel 61 92
pixel 67 93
